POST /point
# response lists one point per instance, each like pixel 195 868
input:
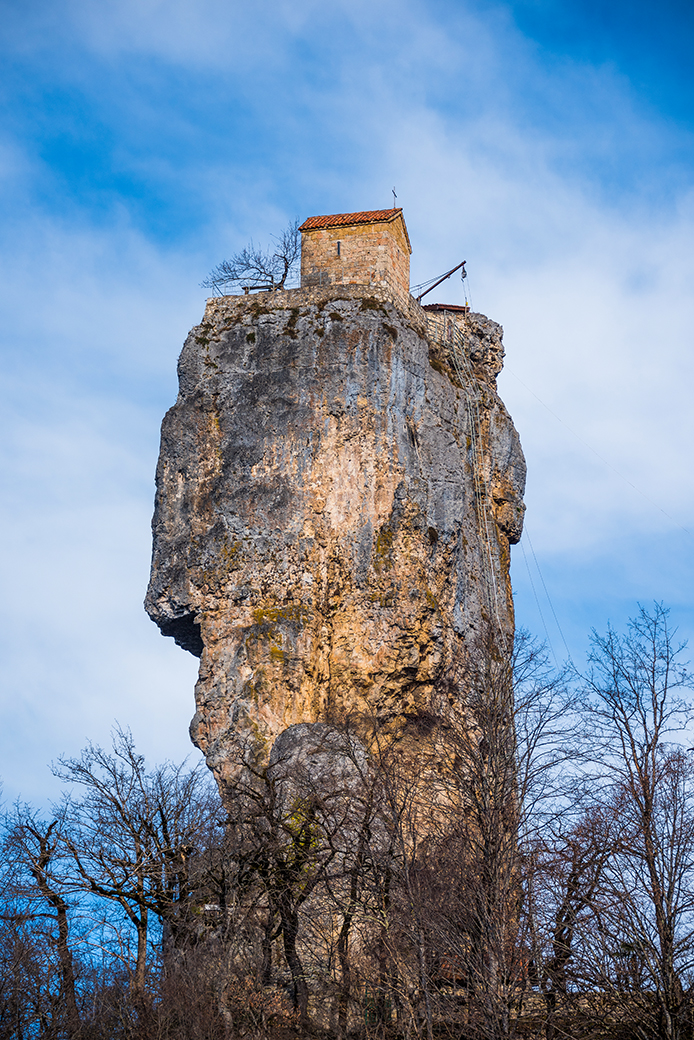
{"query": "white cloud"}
pixel 491 156
pixel 94 326
pixel 597 315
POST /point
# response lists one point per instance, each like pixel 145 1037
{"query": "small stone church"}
pixel 367 248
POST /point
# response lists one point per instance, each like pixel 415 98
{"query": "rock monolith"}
pixel 337 490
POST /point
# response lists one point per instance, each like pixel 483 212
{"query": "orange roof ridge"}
pixel 368 216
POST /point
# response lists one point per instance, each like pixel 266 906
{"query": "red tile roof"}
pixel 347 219
pixel 369 216
pixel 455 307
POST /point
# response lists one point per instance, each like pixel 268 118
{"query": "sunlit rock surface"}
pixel 320 534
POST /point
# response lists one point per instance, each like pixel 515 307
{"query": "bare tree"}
pixel 463 807
pixel 132 834
pixel 508 753
pixel 38 918
pixel 128 848
pixel 298 831
pixel 645 906
pixel 254 268
pixel 565 884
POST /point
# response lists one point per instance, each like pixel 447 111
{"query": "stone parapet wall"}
pixel 218 307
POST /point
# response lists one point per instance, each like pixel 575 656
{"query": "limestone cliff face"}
pixel 335 501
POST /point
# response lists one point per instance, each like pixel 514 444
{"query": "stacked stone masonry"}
pixel 371 248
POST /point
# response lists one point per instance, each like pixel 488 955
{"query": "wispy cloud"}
pixel 146 141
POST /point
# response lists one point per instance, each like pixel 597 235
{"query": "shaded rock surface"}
pixel 320 537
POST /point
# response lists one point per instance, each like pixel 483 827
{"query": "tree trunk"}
pixel 550 1006
pixel 346 975
pixel 424 982
pixel 343 938
pixel 266 970
pixel 290 931
pixel 141 963
pixel 67 970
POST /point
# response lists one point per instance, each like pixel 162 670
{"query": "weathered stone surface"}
pixel 319 533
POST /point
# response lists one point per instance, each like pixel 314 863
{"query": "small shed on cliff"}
pixel 367 248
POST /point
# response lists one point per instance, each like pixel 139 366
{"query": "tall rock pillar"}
pixel 337 489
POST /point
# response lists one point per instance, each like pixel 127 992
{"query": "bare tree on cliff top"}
pixel 254 268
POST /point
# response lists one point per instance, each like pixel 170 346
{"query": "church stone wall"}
pixel 362 254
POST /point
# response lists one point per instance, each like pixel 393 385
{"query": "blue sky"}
pixel 551 144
